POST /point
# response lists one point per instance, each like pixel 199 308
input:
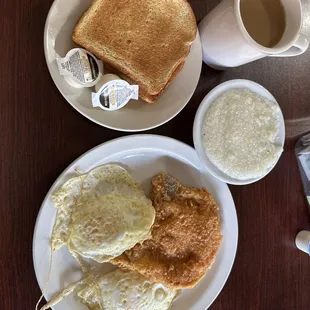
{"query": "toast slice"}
pixel 147 41
pixel 142 93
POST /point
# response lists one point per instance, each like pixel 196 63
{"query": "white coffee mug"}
pixel 226 43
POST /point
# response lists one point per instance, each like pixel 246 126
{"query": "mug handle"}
pixel 298 48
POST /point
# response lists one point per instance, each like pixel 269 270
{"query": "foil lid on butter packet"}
pixel 114 95
pixel 80 68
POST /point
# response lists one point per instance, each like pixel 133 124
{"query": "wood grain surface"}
pixel 40 134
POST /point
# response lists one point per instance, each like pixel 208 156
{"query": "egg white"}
pixel 126 290
pixel 101 214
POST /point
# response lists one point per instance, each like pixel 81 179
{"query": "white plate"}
pixel 137 115
pixel 144 156
pixel 210 97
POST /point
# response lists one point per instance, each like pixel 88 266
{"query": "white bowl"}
pixel 211 96
pixel 137 115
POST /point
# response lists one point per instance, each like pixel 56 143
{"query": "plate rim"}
pixel 45 43
pixel 146 137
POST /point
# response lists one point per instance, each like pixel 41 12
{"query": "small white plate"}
pixel 211 96
pixel 144 156
pixel 137 115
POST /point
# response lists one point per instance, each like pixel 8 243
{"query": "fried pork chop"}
pixel 185 237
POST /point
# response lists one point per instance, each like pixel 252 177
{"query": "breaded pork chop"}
pixel 185 237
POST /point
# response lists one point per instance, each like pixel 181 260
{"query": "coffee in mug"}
pixel 264 20
pixel 237 32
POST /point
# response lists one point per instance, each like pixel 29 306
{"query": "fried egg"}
pixel 126 290
pixel 101 214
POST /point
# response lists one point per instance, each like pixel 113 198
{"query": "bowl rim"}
pixel 203 107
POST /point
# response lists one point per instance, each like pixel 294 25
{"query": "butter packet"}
pixel 114 95
pixel 80 68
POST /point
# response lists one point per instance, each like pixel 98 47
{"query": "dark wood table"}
pixel 41 134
